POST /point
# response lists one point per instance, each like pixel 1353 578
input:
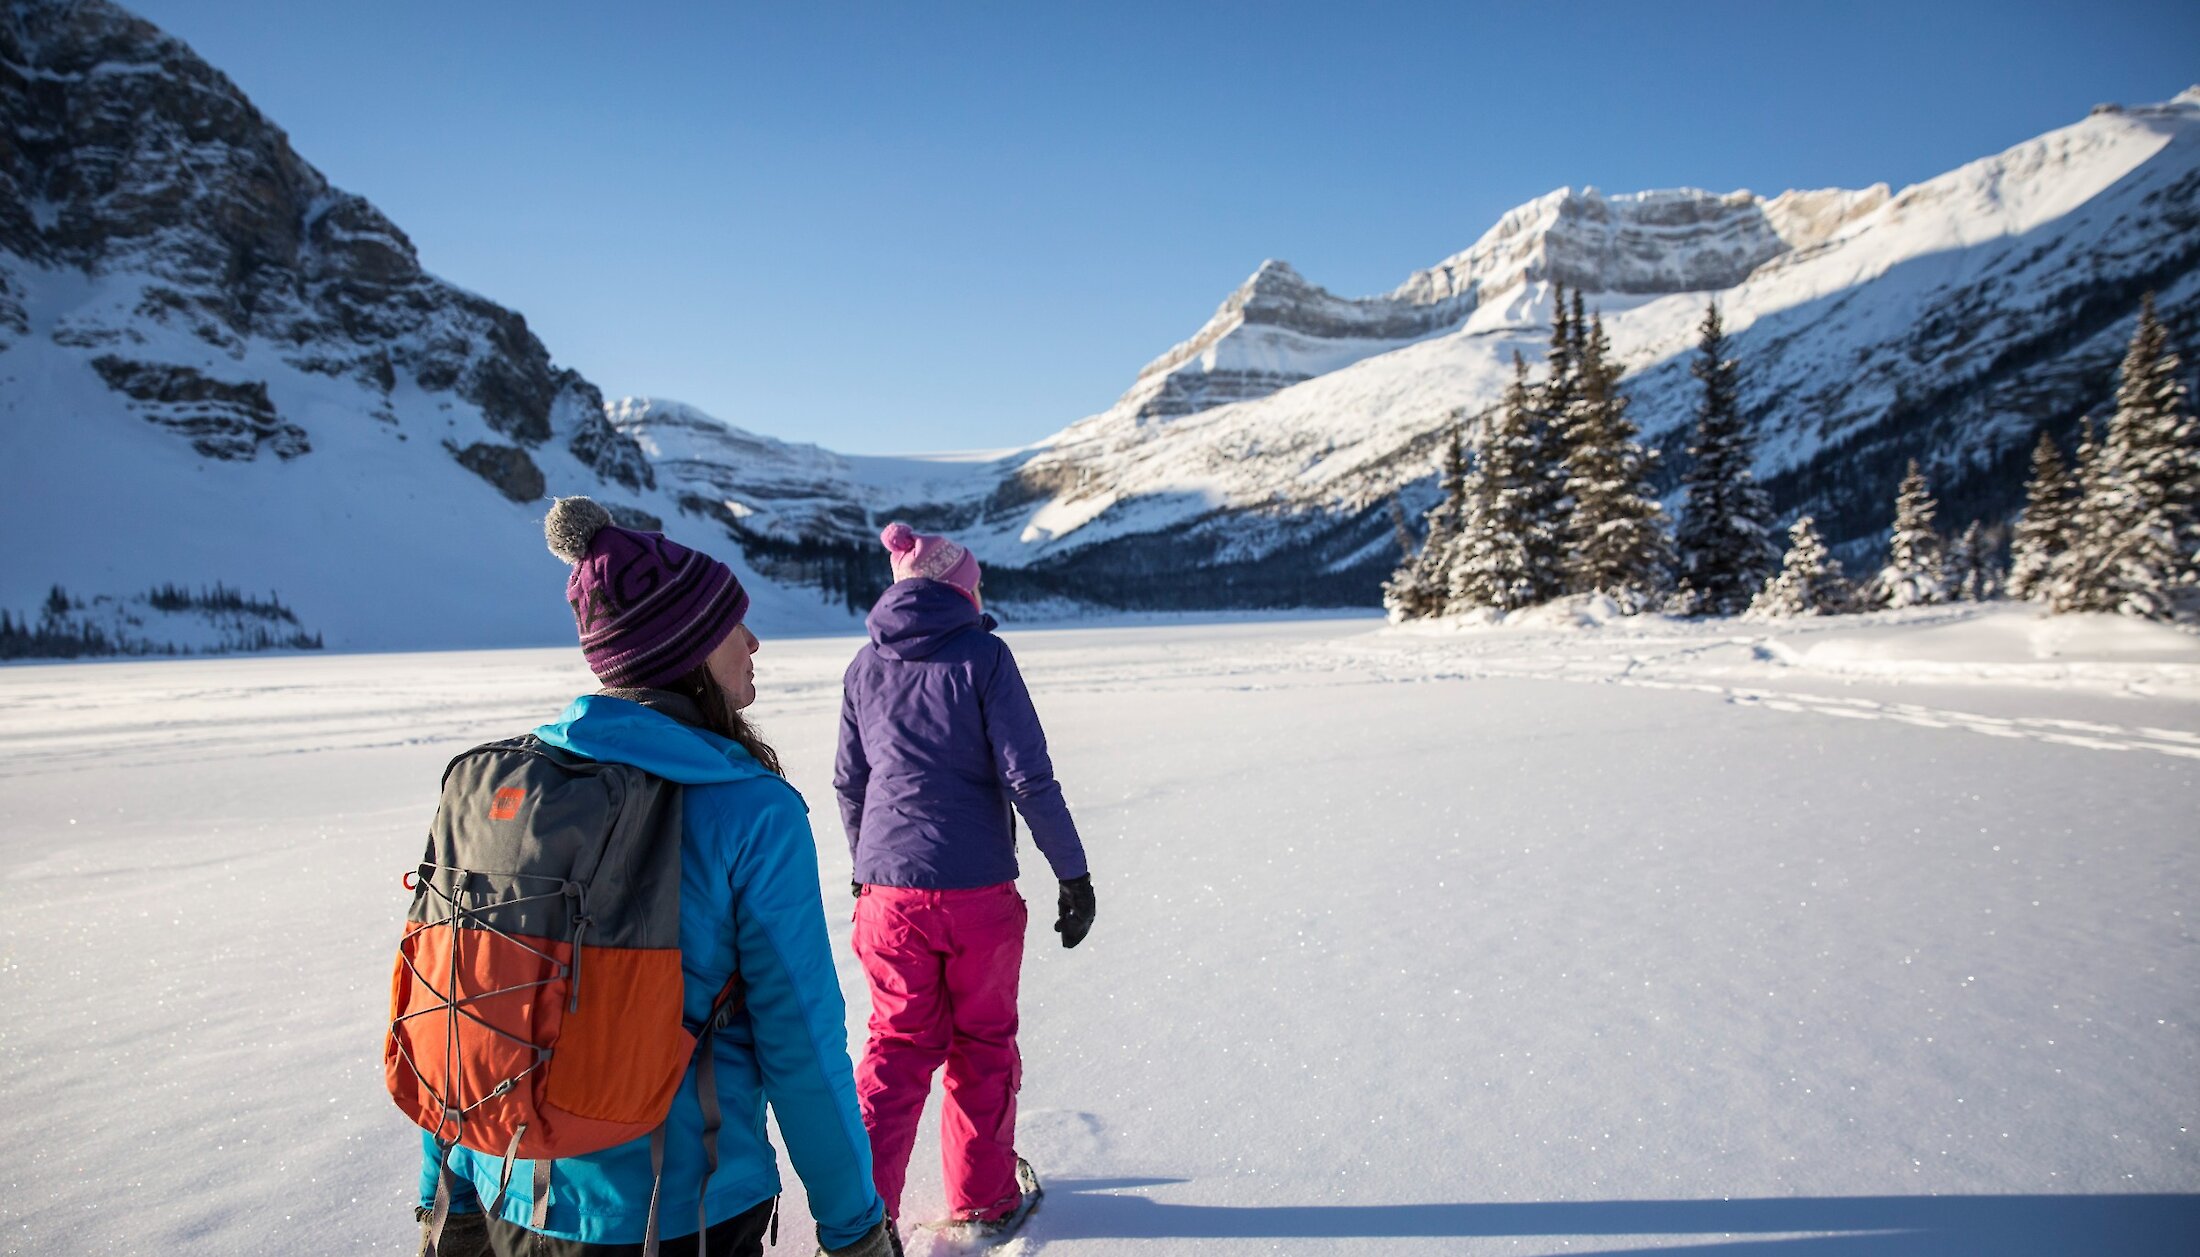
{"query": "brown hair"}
pixel 722 718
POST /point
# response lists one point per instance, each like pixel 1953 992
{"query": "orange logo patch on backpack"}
pixel 506 805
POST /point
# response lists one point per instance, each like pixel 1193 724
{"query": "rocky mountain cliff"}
pixel 130 166
pixel 219 372
pixel 1277 329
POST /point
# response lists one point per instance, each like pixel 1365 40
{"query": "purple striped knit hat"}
pixel 649 609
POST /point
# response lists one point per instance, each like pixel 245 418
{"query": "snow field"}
pixel 1402 948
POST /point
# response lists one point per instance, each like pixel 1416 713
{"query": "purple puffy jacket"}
pixel 937 735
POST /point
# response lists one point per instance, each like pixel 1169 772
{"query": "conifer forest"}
pixel 1549 494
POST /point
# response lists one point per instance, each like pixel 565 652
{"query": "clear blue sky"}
pixel 890 228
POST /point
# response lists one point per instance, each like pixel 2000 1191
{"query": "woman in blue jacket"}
pixel 661 627
pixel 938 738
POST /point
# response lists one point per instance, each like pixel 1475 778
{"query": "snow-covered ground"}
pixel 1869 935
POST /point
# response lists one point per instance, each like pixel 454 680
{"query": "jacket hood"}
pixel 620 731
pixel 915 617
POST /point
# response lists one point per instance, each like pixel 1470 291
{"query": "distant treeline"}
pixel 62 632
pixel 1168 571
pixel 219 597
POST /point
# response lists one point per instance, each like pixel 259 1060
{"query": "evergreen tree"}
pixel 1916 571
pixel 1417 589
pixel 1561 360
pixel 1724 540
pixel 1401 531
pixel 1559 402
pixel 1507 554
pixel 1543 498
pixel 2071 570
pixel 1542 503
pixel 1809 581
pixel 1615 531
pixel 2043 528
pixel 1972 575
pixel 2137 524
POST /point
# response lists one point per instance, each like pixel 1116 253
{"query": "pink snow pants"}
pixel 943 967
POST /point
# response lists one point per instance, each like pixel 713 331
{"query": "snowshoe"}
pixel 977 1233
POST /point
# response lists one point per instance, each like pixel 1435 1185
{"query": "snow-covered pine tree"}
pixel 1457 585
pixel 1916 573
pixel 1401 531
pixel 1809 581
pixel 1550 413
pixel 1973 575
pixel 2136 531
pixel 1559 403
pixel 1615 532
pixel 1724 540
pixel 1417 590
pixel 2153 451
pixel 1506 556
pixel 1561 359
pixel 2068 575
pixel 2043 528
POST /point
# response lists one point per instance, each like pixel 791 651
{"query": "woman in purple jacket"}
pixel 937 739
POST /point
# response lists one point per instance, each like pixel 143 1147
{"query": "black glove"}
pixel 856 889
pixel 1074 910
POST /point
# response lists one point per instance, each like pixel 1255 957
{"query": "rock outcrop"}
pixel 222 420
pixel 126 158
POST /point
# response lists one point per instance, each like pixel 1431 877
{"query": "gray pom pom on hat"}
pixel 571 525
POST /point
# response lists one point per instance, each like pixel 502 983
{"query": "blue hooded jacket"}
pixel 937 735
pixel 748 890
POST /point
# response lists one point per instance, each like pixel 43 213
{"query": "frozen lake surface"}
pixel 1875 936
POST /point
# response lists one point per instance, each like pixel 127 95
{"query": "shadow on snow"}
pixel 1882 1226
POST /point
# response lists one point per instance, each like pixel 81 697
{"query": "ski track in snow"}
pixel 1781 678
pixel 2092 736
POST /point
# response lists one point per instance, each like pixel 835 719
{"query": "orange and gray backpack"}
pixel 535 1006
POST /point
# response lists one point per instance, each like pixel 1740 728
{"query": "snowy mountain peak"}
pixel 1662 241
pixel 634 411
pixel 1278 329
pixel 1272 331
pixel 1274 276
pixel 672 431
pixel 776 491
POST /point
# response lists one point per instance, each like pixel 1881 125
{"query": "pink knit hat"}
pixel 916 554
